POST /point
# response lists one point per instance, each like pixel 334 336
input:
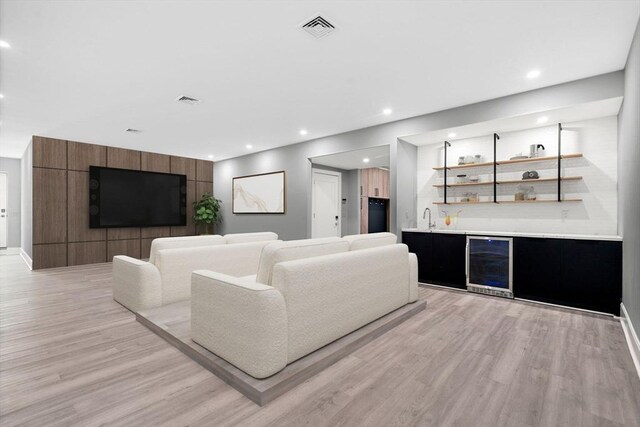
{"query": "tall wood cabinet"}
pixel 374 182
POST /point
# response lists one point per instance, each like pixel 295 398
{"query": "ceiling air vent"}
pixel 318 27
pixel 187 100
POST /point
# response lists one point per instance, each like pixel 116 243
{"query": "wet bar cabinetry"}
pixel 580 273
pixel 441 257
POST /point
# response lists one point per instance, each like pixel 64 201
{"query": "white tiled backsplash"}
pixel 595 214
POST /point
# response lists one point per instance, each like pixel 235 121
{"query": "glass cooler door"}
pixel 489 262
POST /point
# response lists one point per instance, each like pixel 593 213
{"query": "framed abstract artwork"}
pixel 259 194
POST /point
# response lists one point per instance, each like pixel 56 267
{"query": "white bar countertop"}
pixel 517 234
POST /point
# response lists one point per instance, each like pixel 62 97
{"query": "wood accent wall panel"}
pixel 49 256
pixel 184 166
pixel 61 233
pixel 81 253
pixel 155 162
pixel 148 232
pixel 123 158
pixel 49 153
pixel 80 156
pixel 190 228
pixel 204 171
pixel 145 248
pixel 49 206
pixel 123 247
pixel 124 233
pixel 201 188
pixel 78 210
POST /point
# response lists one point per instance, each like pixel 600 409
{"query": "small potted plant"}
pixel 206 213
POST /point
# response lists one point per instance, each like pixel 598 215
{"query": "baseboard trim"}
pixel 582 310
pixel 446 288
pixel 27 259
pixel 632 337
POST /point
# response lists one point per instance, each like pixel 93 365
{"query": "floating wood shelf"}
pixel 513 181
pixel 472 165
pixel 507 202
pixel 510 162
pixel 538 159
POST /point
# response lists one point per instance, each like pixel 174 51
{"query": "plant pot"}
pixel 205 229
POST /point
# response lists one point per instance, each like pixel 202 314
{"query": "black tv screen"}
pixel 130 198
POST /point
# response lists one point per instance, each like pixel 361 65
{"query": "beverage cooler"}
pixel 489 265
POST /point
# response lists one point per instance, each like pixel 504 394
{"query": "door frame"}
pixel 6 213
pixel 314 171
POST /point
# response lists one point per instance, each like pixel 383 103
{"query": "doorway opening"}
pixel 363 203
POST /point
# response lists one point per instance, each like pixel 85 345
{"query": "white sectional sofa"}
pixel 166 277
pixel 306 294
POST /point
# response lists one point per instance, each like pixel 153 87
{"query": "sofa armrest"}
pixel 413 277
pixel 243 322
pixel 136 283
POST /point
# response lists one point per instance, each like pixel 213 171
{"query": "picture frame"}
pixel 263 193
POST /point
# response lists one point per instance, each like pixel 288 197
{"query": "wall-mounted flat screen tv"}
pixel 130 198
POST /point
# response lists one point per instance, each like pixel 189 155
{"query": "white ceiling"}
pixel 574 113
pixel 88 70
pixel 348 160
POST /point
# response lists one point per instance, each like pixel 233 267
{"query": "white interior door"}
pixel 326 202
pixel 3 210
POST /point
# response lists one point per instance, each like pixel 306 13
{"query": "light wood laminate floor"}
pixel 70 355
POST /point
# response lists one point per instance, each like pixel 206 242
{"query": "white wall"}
pixel 629 146
pixel 596 214
pixel 296 223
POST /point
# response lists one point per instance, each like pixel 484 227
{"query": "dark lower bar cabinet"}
pixel 578 273
pixel 441 257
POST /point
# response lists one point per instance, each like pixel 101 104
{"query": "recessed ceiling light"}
pixel 452 135
pixel 249 146
pixel 543 119
pixel 210 156
pixel 365 160
pixel 387 111
pixel 533 74
pixel 303 132
pixel 4 44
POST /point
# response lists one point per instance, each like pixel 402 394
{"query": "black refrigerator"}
pixel 378 215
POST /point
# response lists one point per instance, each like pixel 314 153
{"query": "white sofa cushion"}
pixel 367 241
pixel 183 242
pixel 274 253
pixel 176 265
pixel 250 237
pixel 330 296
